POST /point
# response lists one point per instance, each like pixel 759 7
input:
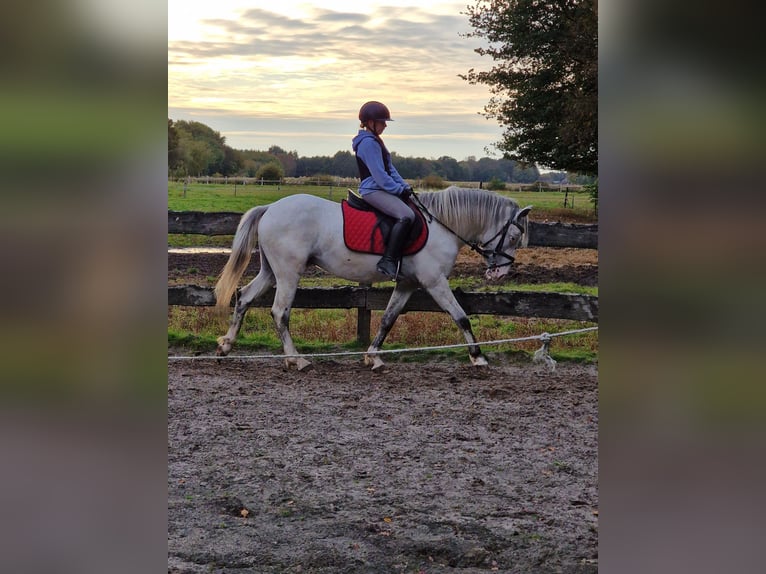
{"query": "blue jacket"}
pixel 383 176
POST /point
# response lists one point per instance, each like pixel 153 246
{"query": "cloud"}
pixel 325 16
pixel 325 63
pixel 394 40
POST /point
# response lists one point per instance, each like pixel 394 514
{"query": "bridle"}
pixel 481 248
pixel 492 255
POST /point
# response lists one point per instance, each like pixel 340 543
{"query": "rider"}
pixel 381 185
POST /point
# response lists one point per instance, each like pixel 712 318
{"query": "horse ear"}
pixel 523 212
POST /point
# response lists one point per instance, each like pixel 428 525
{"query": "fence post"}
pixel 363 317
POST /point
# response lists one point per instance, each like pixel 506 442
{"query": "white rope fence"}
pixel 541 355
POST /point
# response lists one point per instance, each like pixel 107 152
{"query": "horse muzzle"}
pixel 495 273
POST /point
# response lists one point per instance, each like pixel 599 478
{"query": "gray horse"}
pixel 302 230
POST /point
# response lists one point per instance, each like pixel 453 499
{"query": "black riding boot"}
pixel 389 263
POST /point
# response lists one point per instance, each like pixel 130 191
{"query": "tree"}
pixel 196 157
pixel 232 161
pixel 544 82
pixel 289 160
pixel 175 153
pixel 200 150
pixel 308 166
pixel 344 164
pixel 412 167
pixel 448 168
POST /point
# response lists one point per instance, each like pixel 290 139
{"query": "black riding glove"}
pixel 406 193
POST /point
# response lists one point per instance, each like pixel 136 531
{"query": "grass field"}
pixel 240 198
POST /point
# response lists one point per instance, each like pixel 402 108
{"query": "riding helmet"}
pixel 374 111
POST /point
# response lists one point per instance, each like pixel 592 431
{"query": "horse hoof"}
pixel 303 365
pixel 375 361
pixel 223 347
pixel 479 361
pixel 299 364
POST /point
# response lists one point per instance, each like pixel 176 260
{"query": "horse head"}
pixel 507 239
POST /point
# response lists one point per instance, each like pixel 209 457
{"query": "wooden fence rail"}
pixel 365 299
pixel 540 234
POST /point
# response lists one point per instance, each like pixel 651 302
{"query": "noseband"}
pixel 492 255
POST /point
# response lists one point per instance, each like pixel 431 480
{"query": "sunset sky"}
pixel 294 74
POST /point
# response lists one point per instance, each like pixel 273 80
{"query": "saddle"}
pixel 366 230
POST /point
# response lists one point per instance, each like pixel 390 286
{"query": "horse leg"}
pixel 280 311
pixel 398 300
pixel 256 288
pixel 443 296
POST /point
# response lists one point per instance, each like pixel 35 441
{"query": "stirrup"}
pixel 388 267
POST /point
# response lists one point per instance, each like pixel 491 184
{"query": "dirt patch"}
pixel 537 265
pixel 533 265
pixel 433 467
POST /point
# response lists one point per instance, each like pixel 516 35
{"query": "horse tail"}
pixel 242 248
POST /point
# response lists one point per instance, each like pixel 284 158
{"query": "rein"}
pixel 479 248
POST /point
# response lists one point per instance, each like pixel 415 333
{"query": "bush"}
pixel 271 171
pixel 495 184
pixel 432 181
pixel 323 179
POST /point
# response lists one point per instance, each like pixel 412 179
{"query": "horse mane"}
pixel 468 211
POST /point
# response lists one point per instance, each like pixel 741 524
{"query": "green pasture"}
pixel 237 197
pixel 240 198
pixel 553 201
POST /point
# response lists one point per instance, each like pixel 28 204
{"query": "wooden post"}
pixel 363 317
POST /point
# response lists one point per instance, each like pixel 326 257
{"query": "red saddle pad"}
pixel 362 233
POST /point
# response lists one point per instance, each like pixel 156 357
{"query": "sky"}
pixel 294 74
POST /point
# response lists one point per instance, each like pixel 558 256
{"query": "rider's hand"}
pixel 406 193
